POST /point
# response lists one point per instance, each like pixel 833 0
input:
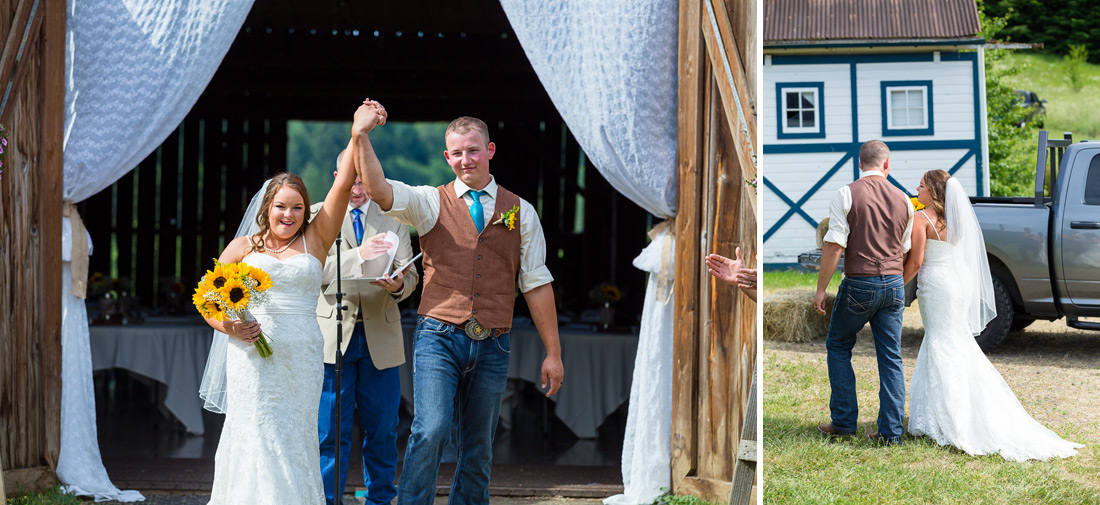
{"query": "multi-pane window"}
pixel 907 108
pixel 801 110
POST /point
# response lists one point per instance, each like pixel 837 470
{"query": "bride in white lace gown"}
pixel 269 451
pixel 956 396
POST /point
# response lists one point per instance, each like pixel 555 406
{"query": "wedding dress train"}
pixel 956 396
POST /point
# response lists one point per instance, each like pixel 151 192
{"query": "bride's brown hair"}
pixel 935 181
pixel 277 182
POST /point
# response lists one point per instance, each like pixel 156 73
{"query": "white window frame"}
pixel 890 109
pixel 816 128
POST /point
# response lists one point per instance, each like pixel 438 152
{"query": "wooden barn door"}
pixel 32 93
pixel 715 334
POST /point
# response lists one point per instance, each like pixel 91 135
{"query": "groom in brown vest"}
pixel 870 221
pixel 479 240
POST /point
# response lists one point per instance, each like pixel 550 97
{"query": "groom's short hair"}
pixel 873 153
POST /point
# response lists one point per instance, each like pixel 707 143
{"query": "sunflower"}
pixel 916 203
pixel 612 293
pixel 235 294
pixel 263 281
pixel 216 278
pixel 216 311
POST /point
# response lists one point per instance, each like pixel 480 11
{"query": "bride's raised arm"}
pixel 915 257
pixel 324 228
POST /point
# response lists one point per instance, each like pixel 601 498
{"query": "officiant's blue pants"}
pixel 377 395
pixel 879 300
pixel 460 379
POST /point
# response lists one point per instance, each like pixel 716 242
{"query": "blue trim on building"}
pixel 780 123
pixel 887 130
pixel 851 149
pixel 796 207
pixel 897 145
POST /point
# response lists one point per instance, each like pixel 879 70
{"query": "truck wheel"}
pixel 1021 322
pixel 997 329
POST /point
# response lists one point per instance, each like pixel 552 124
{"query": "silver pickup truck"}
pixel 1044 250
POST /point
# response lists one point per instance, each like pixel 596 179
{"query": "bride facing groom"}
pixel 957 397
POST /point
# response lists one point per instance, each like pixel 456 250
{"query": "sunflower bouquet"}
pixel 916 204
pixel 229 291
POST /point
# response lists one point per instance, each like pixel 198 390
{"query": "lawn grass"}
pixel 50 497
pixel 800 466
pixel 1067 110
pixel 780 280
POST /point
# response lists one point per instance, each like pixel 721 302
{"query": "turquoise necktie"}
pixel 477 212
pixel 357 224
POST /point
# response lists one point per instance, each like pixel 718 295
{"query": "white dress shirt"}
pixel 838 215
pixel 418 206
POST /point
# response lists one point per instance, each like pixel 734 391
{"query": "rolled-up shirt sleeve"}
pixel 838 217
pixel 416 206
pixel 908 228
pixel 532 250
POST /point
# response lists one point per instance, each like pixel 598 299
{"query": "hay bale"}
pixel 789 316
pixel 822 229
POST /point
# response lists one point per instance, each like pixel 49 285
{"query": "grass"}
pixel 51 497
pixel 800 466
pixel 780 280
pixel 1067 109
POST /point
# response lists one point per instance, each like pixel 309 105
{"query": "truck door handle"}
pixel 1084 225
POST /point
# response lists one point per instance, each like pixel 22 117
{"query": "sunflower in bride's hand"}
pixel 916 203
pixel 229 291
pixel 235 294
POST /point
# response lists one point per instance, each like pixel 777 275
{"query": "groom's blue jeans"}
pixel 460 379
pixel 377 395
pixel 879 300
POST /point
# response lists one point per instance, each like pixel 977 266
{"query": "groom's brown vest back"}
pixel 876 223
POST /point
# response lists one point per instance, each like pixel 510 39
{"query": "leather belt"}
pixel 476 331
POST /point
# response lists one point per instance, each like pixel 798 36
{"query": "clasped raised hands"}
pixel 367 116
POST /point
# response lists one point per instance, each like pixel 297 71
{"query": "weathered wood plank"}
pixel 145 277
pixel 50 207
pixel 729 83
pixel 12 69
pixel 712 490
pixel 168 207
pixel 688 228
pixel 38 478
pixel 191 268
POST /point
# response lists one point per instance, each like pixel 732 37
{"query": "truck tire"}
pixel 1020 322
pixel 997 329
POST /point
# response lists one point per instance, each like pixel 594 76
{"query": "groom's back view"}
pixel 869 222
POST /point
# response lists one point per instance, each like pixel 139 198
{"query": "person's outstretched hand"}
pixel 726 269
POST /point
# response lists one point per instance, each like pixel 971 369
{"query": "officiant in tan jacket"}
pixel 373 348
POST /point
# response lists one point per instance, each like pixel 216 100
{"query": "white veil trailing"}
pixel 212 388
pixel 970 257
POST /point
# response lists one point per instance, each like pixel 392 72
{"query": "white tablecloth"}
pixel 171 354
pixel 598 371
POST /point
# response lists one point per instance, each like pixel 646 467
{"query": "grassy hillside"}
pixel 1067 110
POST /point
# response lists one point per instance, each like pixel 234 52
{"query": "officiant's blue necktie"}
pixel 477 211
pixel 357 223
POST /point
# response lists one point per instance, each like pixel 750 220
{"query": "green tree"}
pixel 409 152
pixel 1010 153
pixel 1057 24
pixel 1078 55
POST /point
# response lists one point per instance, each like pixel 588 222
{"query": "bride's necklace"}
pixel 285 246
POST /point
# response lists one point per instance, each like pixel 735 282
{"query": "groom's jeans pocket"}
pixel 859 301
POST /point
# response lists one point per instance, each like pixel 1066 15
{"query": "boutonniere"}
pixel 508 218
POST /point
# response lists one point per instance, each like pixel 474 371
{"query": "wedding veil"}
pixel 970 257
pixel 212 388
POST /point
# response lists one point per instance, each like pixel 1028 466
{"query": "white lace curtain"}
pixel 133 69
pixel 610 69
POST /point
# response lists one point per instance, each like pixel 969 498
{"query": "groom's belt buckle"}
pixel 475 330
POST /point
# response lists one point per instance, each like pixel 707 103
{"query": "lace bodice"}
pixel 296 279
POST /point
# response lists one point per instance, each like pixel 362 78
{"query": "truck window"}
pixel 1092 183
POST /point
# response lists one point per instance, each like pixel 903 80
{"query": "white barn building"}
pixel 837 74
